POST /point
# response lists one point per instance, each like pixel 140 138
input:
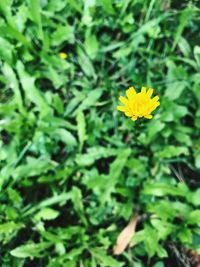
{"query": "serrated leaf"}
pixel 159 189
pixel 172 151
pixel 104 259
pixel 9 227
pixel 32 93
pixel 93 154
pixel 63 34
pixel 30 250
pixel 46 214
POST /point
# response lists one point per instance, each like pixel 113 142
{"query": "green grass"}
pixel 74 169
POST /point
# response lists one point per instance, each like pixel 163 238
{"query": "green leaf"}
pixel 164 229
pixel 163 209
pixel 5 7
pixel 32 93
pixel 21 17
pixel 182 208
pixel 197 159
pixel 77 199
pixel 151 240
pixel 55 6
pixel 13 83
pixel 91 45
pixel 103 259
pixel 36 14
pixel 107 6
pixel 159 189
pixel 154 127
pixel 90 100
pixel 13 32
pixel 184 47
pixel 85 63
pixel 6 53
pixel 27 170
pixel 161 252
pixel 194 217
pixel 57 199
pixel 109 181
pixel 63 34
pixel 172 151
pixel 197 54
pixel 89 8
pixel 175 89
pixel 61 198
pixel 117 166
pixel 46 214
pixel 184 19
pixel 30 250
pixel 81 127
pixel 93 154
pixel 185 236
pixel 194 197
pixel 14 196
pixel 176 84
pixel 183 138
pixel 58 104
pixel 149 25
pixel 180 111
pixel 65 136
pixel 10 227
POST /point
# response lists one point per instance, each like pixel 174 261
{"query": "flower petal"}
pixel 155 99
pixel 157 104
pixel 148 116
pixel 150 92
pixel 143 90
pixel 131 93
pixel 123 100
pixel 128 113
pixel 122 108
pixel 153 106
pixel 134 118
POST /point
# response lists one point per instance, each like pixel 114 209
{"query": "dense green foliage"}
pixel 73 168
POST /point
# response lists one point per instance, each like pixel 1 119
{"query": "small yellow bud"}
pixel 63 55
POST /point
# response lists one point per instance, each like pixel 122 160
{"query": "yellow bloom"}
pixel 138 105
pixel 63 55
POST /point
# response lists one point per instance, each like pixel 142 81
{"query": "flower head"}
pixel 63 55
pixel 138 105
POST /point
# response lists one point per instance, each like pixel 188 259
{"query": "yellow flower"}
pixel 63 55
pixel 138 105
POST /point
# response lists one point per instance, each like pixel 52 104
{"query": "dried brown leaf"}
pixel 125 236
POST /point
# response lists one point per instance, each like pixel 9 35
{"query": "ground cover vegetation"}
pixel 74 170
